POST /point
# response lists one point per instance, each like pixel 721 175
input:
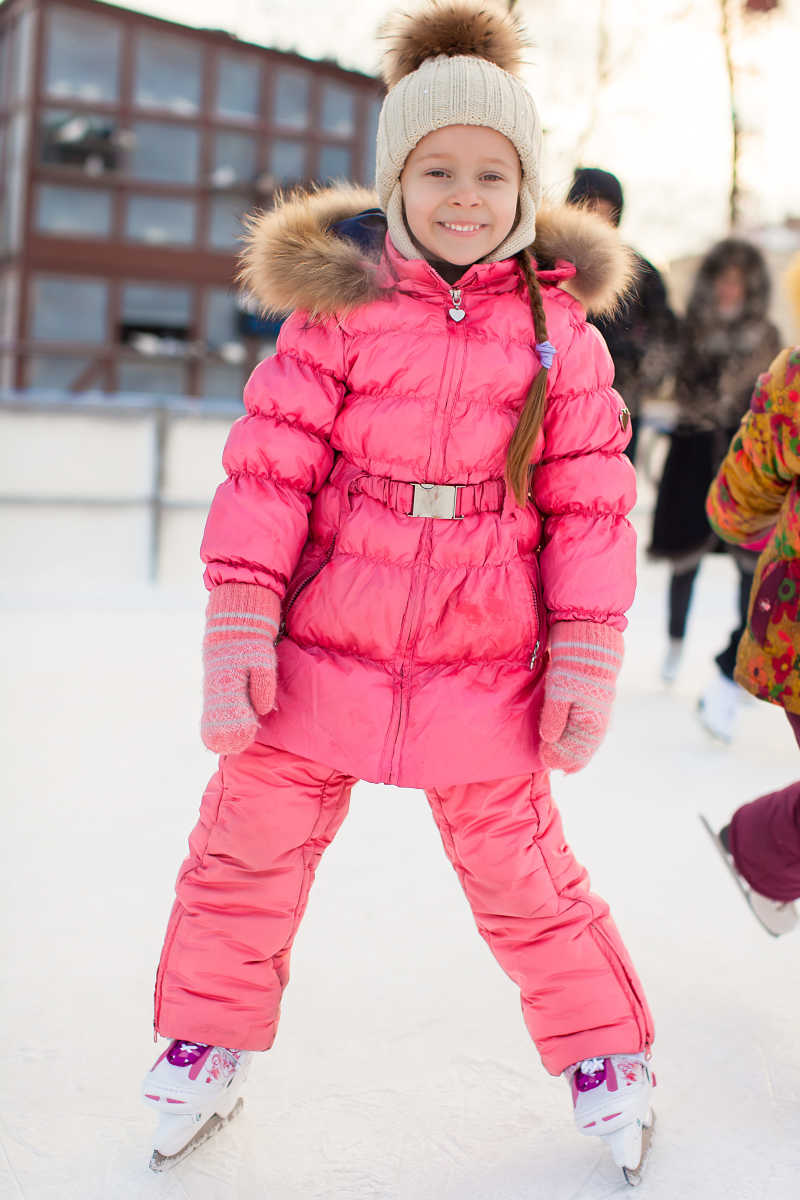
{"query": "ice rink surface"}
pixel 402 1070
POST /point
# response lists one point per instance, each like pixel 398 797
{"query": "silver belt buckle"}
pixel 435 500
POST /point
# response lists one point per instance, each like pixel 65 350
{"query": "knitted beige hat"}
pixel 453 63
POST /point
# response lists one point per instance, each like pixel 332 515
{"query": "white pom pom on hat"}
pixel 452 63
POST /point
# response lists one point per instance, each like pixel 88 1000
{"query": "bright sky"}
pixel 659 119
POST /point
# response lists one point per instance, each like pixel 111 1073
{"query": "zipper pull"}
pixel 534 656
pixel 456 312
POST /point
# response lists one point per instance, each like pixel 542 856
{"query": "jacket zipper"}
pixel 414 618
pixel 453 383
pixel 538 643
pixel 291 597
pixel 448 375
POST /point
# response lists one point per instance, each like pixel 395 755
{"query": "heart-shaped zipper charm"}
pixel 457 314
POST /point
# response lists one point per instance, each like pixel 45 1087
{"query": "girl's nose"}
pixel 465 198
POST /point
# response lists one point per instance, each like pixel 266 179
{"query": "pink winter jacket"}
pixel 413 649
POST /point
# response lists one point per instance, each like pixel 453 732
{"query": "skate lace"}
pixel 591 1066
pixel 185 1054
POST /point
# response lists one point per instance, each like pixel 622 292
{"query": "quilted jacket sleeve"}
pixel 764 457
pixel 584 486
pixel 275 458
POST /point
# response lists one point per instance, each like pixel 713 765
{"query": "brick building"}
pixel 129 149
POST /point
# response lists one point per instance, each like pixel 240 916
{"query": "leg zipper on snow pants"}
pixel 532 904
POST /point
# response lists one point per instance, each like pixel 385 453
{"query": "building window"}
pixel 335 162
pixel 152 376
pixel 235 159
pixel 155 317
pixel 73 211
pixel 68 309
pixel 82 55
pixel 238 83
pixel 288 162
pixel 291 99
pixel 225 228
pixel 371 136
pixel 57 372
pixel 338 110
pixel 164 153
pixel 222 319
pixel 12 182
pixel 5 45
pixel 222 381
pixel 82 141
pixel 168 74
pixel 8 306
pixel 20 58
pixel 160 220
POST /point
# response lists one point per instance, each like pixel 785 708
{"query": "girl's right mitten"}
pixel 240 664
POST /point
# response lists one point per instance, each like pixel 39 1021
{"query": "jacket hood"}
pixel 297 256
pixel 747 259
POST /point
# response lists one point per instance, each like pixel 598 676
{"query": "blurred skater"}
pixel 726 339
pixel 757 493
pixel 641 333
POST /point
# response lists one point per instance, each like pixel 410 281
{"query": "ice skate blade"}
pixel 776 920
pixel 633 1175
pixel 165 1162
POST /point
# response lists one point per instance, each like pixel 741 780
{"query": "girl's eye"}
pixel 492 178
pixel 437 173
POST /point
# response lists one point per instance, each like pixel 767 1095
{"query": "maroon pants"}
pixel 765 839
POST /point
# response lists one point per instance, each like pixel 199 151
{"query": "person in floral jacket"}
pixel 756 493
pixel 755 501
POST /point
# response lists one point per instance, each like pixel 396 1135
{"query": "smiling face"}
pixel 460 190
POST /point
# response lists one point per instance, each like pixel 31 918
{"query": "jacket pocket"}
pixel 538 638
pixel 304 577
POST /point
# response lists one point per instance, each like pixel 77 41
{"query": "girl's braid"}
pixel 530 419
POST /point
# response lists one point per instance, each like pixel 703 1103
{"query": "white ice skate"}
pixel 195 1089
pixel 672 661
pixel 718 707
pixel 611 1096
pixel 776 916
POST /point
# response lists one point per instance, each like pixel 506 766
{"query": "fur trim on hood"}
pixel 293 257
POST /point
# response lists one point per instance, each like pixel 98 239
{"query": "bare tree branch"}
pixel 734 196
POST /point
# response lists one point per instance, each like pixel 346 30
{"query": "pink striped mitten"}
pixel 240 665
pixel 585 658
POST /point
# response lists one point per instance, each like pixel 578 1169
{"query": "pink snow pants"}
pixel 267 816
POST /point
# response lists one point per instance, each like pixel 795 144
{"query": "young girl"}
pixel 419 567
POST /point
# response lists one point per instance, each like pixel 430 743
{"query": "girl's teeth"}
pixel 461 228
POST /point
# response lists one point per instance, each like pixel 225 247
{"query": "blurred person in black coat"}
pixel 642 335
pixel 726 340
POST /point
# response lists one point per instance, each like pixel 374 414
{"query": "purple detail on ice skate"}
pixel 150 1096
pixel 585 1083
pixel 186 1054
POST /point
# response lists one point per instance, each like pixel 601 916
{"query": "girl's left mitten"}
pixel 239 664
pixel 579 688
